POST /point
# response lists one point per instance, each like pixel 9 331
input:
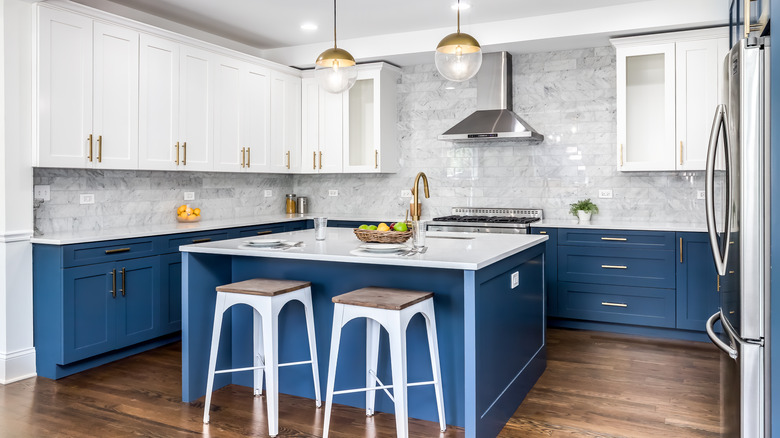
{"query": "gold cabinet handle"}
pixel 314 160
pixel 248 158
pixel 260 233
pixel 177 153
pixel 681 250
pixel 376 159
pixel 621 154
pixel 615 239
pixel 184 147
pixel 681 152
pixel 614 267
pixel 607 303
pixel 718 276
pixel 320 159
pixel 542 232
pixel 113 283
pixel 117 250
pixel 201 240
pixel 243 157
pixel 122 290
pixel 288 159
pixel 89 155
pixel 100 148
pixel 747 18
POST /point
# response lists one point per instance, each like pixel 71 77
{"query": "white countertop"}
pixel 597 224
pixel 462 251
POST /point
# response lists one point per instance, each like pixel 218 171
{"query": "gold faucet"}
pixel 416 207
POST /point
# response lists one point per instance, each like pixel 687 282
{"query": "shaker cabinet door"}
pixel 88 326
pixel 158 128
pixel 138 317
pixel 196 102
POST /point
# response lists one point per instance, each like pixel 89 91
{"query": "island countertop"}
pixel 462 251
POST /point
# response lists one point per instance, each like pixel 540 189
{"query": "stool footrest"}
pixel 350 391
pixel 235 370
pixel 303 362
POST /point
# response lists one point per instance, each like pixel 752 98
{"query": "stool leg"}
pixel 398 361
pixel 219 308
pixel 315 368
pixel 270 342
pixel 372 361
pixel 433 347
pixel 335 339
pixel 259 354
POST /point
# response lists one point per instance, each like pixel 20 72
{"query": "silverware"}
pixel 412 252
pixel 424 248
pixel 292 245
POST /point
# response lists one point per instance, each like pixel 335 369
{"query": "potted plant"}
pixel 583 209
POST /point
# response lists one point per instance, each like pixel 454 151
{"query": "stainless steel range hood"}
pixel 493 120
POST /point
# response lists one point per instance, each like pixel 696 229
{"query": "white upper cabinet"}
pixel 158 129
pixel 322 130
pixel 196 109
pixel 667 90
pixel 285 147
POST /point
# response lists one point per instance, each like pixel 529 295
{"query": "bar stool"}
pixel 391 309
pixel 267 298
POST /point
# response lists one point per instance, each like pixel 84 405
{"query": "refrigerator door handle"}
pixel 728 349
pixel 718 126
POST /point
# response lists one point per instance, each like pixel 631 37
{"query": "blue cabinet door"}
pixel 88 311
pixel 296 226
pixel 138 299
pixel 698 296
pixel 170 292
pixel 550 268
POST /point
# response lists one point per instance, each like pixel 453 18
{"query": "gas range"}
pixel 487 220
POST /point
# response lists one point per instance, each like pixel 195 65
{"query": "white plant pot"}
pixel 584 216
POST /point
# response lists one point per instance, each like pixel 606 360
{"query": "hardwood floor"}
pixel 595 385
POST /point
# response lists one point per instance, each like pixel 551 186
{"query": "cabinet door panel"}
pixel 64 89
pixel 158 128
pixel 227 116
pixel 139 296
pixel 360 145
pixel 88 312
pixel 331 130
pixel 698 296
pixel 196 94
pixel 310 125
pixel 285 146
pixel 170 293
pixel 255 116
pixel 115 95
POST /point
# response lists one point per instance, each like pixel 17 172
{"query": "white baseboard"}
pixel 16 366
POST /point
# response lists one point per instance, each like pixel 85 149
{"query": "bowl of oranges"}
pixel 185 213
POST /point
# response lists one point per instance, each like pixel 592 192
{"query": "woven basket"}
pixel 373 236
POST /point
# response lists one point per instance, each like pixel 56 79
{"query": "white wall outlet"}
pixel 605 193
pixel 700 194
pixel 333 192
pixel 42 192
pixel 268 193
pixel 406 193
pixel 87 198
pixel 515 279
pixel 189 196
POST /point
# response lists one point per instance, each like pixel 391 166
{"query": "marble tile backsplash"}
pixel 569 96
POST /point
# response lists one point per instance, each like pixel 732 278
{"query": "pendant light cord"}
pixel 458 15
pixel 334 23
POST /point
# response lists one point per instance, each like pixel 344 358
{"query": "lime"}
pixel 400 226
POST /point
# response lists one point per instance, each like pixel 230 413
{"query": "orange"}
pixel 196 212
pixel 181 209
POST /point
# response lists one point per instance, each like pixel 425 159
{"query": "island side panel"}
pixel 330 279
pixel 505 339
pixel 201 274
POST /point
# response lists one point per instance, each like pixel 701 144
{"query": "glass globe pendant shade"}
pixel 335 70
pixel 458 57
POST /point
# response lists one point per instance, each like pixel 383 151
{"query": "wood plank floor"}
pixel 595 385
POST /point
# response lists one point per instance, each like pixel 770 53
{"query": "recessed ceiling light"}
pixel 309 26
pixel 463 6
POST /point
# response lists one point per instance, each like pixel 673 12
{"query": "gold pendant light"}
pixel 458 56
pixel 335 68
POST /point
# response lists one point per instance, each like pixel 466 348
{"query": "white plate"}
pixel 264 242
pixel 383 247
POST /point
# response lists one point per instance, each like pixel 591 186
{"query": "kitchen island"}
pixel 491 334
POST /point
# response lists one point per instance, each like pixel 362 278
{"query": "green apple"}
pixel 363 227
pixel 372 227
pixel 400 226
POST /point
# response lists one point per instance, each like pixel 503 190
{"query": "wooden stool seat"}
pixel 264 287
pixel 382 298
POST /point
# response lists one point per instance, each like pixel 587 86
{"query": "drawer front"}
pixel 296 226
pixel 107 251
pixel 617 239
pixel 173 242
pixel 261 230
pixel 618 266
pixel 619 304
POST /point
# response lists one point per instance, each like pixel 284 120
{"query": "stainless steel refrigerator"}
pixel 737 203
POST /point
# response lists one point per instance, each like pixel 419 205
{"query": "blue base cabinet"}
pixel 698 285
pixel 550 268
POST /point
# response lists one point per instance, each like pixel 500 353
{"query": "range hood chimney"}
pixel 493 120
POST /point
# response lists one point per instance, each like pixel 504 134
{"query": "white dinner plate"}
pixel 383 247
pixel 264 242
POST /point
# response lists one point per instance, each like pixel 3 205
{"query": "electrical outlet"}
pixel 268 193
pixel 189 196
pixel 87 198
pixel 333 192
pixel 406 193
pixel 605 193
pixel 515 279
pixel 700 194
pixel 42 192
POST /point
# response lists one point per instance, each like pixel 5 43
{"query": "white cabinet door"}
pixel 255 116
pixel 310 125
pixel 332 124
pixel 64 89
pixel 158 129
pixel 646 107
pixel 115 96
pixel 361 130
pixel 285 147
pixel 229 153
pixel 196 109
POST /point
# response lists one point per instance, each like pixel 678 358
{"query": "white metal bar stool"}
pixel 391 309
pixel 267 298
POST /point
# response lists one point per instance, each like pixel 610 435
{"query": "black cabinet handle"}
pixel 117 251
pixel 207 239
pixel 113 283
pixel 122 290
pixel 260 233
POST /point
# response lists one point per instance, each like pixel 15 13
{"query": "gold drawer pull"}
pixel 614 267
pixel 207 239
pixel 89 156
pixel 117 251
pixel 607 303
pixel 615 239
pixel 260 233
pixel 542 232
pixel 113 283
